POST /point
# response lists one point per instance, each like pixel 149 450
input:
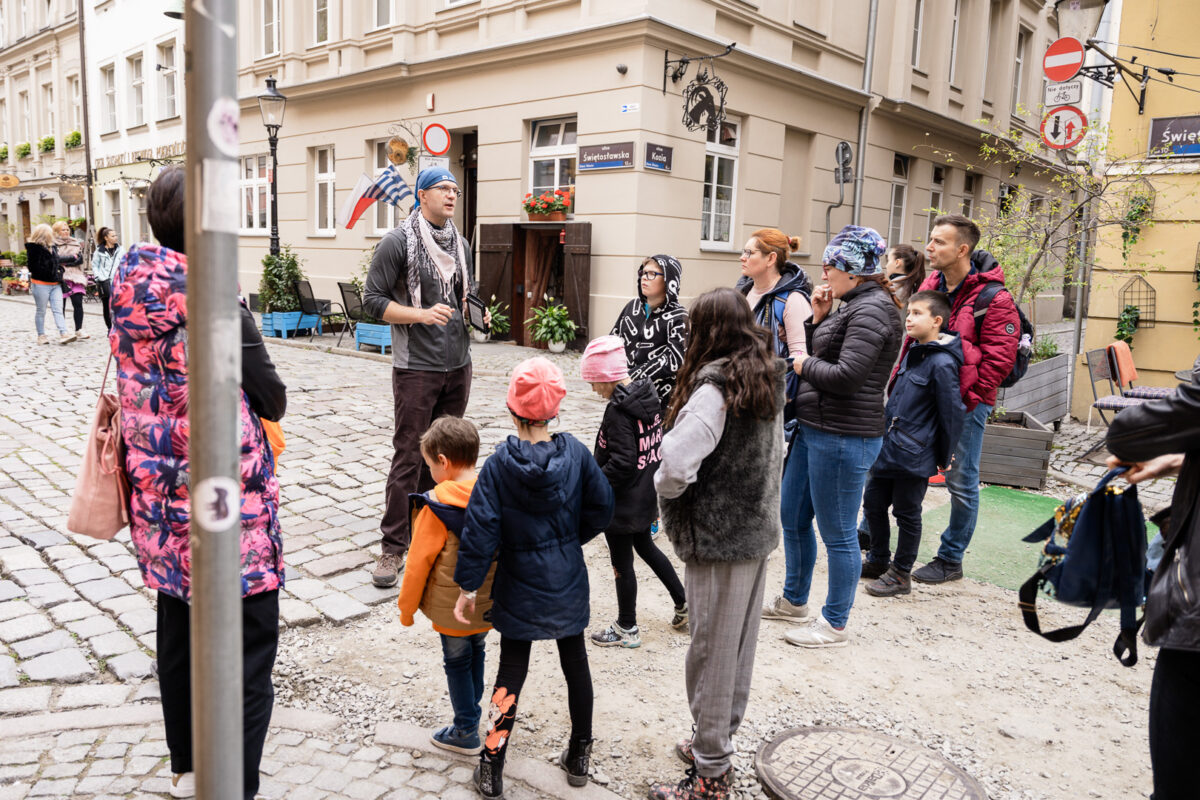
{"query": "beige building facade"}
pixel 529 90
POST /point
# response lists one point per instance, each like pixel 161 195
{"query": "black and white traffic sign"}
pixel 1063 127
pixel 1063 94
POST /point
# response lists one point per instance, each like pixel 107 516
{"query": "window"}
pixel 383 13
pixel 1019 69
pixel 255 184
pixel 1005 202
pixel 23 19
pixel 4 121
pixel 137 203
pixel 26 122
pixel 48 127
pixel 1037 209
pixel 137 113
pixel 916 37
pixel 899 197
pixel 47 12
pixel 270 26
pixel 108 108
pixel 720 183
pixel 387 216
pixel 113 201
pixel 166 81
pixel 954 39
pixel 326 214
pixel 320 21
pixel 970 191
pixel 552 155
pixel 3 28
pixel 937 192
pixel 76 103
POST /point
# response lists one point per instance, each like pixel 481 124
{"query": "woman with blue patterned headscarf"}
pixel 840 409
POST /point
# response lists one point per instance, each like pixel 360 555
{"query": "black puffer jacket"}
pixel 1156 428
pixel 43 266
pixel 853 350
pixel 627 450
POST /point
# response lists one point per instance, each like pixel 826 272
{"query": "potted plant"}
pixel 4 153
pixel 1042 390
pixel 500 321
pixel 551 323
pixel 549 206
pixel 23 150
pixel 369 330
pixel 74 139
pixel 46 145
pixel 1016 449
pixel 277 296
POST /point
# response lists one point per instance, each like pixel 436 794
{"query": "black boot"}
pixel 489 777
pixel 575 760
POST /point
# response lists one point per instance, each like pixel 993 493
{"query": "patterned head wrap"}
pixel 430 177
pixel 855 250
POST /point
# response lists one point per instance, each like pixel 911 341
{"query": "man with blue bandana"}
pixel 419 278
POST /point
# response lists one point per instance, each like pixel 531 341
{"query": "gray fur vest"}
pixel 731 512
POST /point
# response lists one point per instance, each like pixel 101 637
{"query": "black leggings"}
pixel 104 292
pixel 77 306
pixel 1174 698
pixel 510 678
pixel 621 547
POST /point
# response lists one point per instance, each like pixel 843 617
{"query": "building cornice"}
pixel 46 42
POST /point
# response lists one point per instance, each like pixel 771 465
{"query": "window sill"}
pixel 168 120
pixel 256 233
pixel 323 235
pixel 452 6
pixel 109 135
pixel 715 247
pixel 141 128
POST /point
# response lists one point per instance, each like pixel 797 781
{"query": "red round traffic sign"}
pixel 1063 127
pixel 436 139
pixel 1063 59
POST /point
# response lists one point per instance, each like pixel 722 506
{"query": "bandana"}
pixel 432 177
pixel 434 251
pixel 855 250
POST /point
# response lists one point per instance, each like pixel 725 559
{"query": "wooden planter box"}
pixel 284 323
pixel 1042 392
pixel 1016 453
pixel 369 333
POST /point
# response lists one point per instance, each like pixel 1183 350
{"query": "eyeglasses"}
pixel 448 189
pixel 748 252
pixel 649 275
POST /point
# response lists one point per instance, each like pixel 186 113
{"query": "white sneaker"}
pixel 184 785
pixel 781 608
pixel 817 633
pixel 82 334
pixel 43 339
pixel 66 338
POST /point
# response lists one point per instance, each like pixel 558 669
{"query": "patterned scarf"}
pixel 433 251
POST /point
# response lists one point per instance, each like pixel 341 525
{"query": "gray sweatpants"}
pixel 724 609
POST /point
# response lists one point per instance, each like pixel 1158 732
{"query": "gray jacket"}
pixel 718 481
pixel 428 348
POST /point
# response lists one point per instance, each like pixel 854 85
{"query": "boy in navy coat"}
pixel 924 419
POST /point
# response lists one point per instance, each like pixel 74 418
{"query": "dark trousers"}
pixel 77 307
pixel 260 639
pixel 1174 698
pixel 420 398
pixel 621 547
pixel 104 292
pixel 903 494
pixel 510 678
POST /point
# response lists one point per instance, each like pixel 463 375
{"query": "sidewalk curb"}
pixel 293 719
pixel 540 775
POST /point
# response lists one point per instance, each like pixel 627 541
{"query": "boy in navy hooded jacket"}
pixel 924 416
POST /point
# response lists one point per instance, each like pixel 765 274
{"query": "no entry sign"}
pixel 1064 127
pixel 1063 59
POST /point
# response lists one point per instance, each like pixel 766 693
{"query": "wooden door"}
pixel 496 271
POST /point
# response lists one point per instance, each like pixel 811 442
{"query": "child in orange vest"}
pixel 450 448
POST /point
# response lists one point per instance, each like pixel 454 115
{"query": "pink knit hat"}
pixel 536 389
pixel 604 360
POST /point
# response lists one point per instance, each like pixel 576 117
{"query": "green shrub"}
pixel 21 259
pixel 551 322
pixel 275 289
pixel 23 150
pixel 74 139
pixel 46 145
pixel 4 153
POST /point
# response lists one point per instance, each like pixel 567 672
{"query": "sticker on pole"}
pixel 436 139
pixel 217 503
pixel 1063 127
pixel 1063 59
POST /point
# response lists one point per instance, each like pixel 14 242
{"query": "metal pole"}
pixel 87 128
pixel 273 141
pixel 214 408
pixel 865 114
pixel 1077 337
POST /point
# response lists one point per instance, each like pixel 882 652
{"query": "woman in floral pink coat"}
pixel 149 340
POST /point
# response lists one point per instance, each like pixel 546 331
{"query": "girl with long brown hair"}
pixel 718 487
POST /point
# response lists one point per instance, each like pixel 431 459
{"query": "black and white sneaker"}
pixel 616 636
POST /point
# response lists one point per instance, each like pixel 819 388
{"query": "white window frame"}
pixel 135 66
pixel 918 23
pixel 564 155
pixel 112 199
pixel 970 194
pixel 48 120
pixel 954 40
pixel 901 169
pixel 390 5
pixel 937 193
pixel 74 87
pixel 26 119
pixel 260 194
pixel 24 18
pixel 324 184
pixel 1019 59
pixel 715 150
pixel 4 121
pixel 269 29
pixel 320 7
pixel 138 214
pixel 108 103
pixel 1004 206
pixel 168 79
pixel 384 216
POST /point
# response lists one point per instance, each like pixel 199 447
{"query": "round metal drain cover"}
pixel 853 764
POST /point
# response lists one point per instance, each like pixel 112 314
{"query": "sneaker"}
pixel 616 636
pixel 683 749
pixel 456 741
pixel 183 785
pixel 66 338
pixel 82 335
pixel 890 584
pixel 939 479
pixel 696 787
pixel 817 633
pixel 873 569
pixel 680 621
pixel 43 339
pixel 780 608
pixel 938 571
pixel 387 570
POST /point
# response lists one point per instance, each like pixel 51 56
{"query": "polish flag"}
pixel 358 202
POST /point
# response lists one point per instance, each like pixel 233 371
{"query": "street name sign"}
pixel 606 156
pixel 659 157
pixel 1063 59
pixel 1171 137
pixel 1063 127
pixel 1063 94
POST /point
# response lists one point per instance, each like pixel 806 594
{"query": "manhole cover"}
pixel 850 764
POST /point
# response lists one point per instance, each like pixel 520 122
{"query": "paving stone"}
pixel 92 626
pixel 90 571
pixel 331 565
pixel 373 595
pixel 16 772
pixel 112 644
pixel 126 603
pixel 105 694
pixel 371 754
pixel 107 766
pixel 147 691
pixel 297 613
pixel 141 765
pixel 69 612
pixel 56 788
pixel 11 609
pixel 130 665
pixel 10 590
pixel 8 672
pixel 26 756
pixel 55 640
pixel 67 666
pixel 307 588
pixel 32 577
pixel 77 738
pixel 14 630
pixel 13 559
pixel 364 790
pixel 71 770
pixel 340 608
pixel 23 701
pixel 331 780
pixel 111 750
pixel 93 784
pixel 42 539
pixel 140 622
pixel 157 749
pixel 52 593
pixel 63 552
pixel 103 589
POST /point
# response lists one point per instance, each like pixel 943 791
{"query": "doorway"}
pixel 26 226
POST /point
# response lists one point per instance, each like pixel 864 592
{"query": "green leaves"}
pixel 551 322
pixel 275 290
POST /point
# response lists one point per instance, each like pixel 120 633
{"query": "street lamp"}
pixel 1079 19
pixel 174 9
pixel 271 103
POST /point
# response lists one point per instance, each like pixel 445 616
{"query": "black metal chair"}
pixel 353 305
pixel 310 306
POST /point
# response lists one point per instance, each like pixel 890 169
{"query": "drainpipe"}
pixel 865 114
pixel 87 132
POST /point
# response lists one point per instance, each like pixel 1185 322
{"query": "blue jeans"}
pixel 824 479
pixel 963 482
pixel 462 658
pixel 52 295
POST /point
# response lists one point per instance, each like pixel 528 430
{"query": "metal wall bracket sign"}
pixel 1174 137
pixel 605 156
pixel 659 156
pixel 704 102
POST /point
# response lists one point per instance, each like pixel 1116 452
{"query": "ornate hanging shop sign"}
pixel 704 97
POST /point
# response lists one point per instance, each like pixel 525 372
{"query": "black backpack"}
pixel 1024 334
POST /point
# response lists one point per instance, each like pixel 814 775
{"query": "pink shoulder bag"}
pixel 100 505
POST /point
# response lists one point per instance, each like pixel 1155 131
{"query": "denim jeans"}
pixel 52 295
pixel 462 658
pixel 963 482
pixel 824 479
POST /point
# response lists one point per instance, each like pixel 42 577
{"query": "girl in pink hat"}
pixel 538 498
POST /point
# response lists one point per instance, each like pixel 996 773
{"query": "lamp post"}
pixel 271 104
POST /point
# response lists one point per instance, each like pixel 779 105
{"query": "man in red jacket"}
pixel 989 353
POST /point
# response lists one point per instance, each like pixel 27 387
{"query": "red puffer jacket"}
pixel 989 357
